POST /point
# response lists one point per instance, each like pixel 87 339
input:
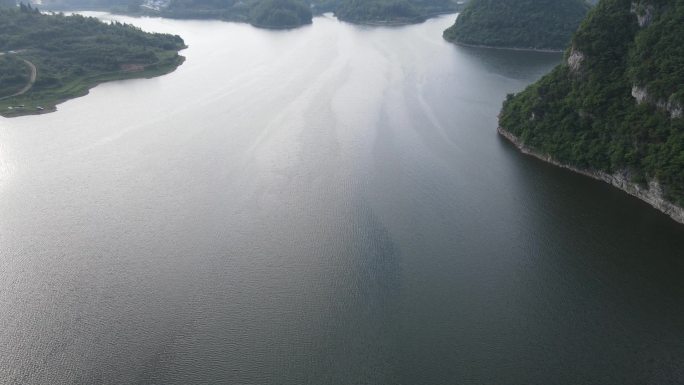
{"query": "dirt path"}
pixel 28 85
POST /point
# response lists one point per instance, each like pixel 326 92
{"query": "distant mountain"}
pixel 270 13
pixel 614 109
pixel 261 13
pixel 533 24
pixel 83 4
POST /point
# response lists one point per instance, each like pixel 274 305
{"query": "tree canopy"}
pixel 73 53
pixel 536 24
pixel 615 104
pixel 384 11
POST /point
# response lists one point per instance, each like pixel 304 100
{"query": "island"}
pixel 522 24
pixel 46 59
pixel 273 14
pixel 614 109
pixel 389 12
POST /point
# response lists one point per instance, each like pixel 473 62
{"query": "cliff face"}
pixel 613 109
pixel 652 193
pixel 527 24
pixel 674 108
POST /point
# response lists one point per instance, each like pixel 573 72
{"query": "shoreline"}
pixel 157 14
pixel 505 48
pixel 398 23
pixel 388 23
pixel 91 83
pixel 651 195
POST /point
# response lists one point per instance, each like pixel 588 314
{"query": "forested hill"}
pixel 616 104
pixel 48 58
pixel 389 11
pixel 536 24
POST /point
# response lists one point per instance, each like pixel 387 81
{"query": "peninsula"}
pixel 46 59
pixel 614 109
pixel 388 12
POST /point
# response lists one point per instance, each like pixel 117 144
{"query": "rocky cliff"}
pixel 613 109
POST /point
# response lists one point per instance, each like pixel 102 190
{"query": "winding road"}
pixel 27 87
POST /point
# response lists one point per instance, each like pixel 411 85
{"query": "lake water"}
pixel 327 205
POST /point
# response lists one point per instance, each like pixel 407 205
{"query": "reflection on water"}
pixel 325 205
pixel 509 63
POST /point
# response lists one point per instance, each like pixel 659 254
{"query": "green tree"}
pixel 538 24
pixel 585 115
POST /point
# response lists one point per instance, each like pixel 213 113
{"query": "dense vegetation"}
pixel 583 113
pixel 74 53
pixel 13 75
pixel 280 13
pixel 537 24
pixel 390 11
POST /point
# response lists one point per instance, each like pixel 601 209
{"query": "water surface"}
pixel 327 205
